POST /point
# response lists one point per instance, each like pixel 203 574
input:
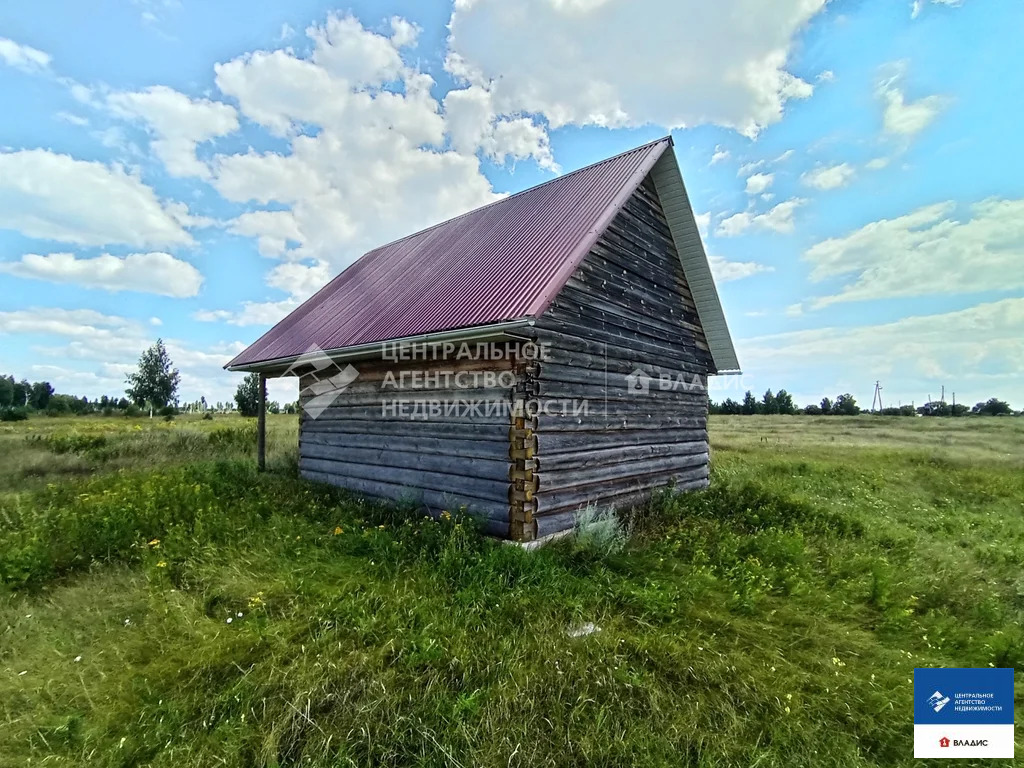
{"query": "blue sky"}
pixel 193 170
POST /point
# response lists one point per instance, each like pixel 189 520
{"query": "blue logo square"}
pixel 963 695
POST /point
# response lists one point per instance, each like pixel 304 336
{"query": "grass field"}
pixel 163 604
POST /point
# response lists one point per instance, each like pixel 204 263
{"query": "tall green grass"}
pixel 205 614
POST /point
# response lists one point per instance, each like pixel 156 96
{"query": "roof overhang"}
pixel 504 331
pixel 683 224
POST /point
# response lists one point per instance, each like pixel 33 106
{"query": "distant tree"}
pixel 935 408
pixel 247 396
pixel 731 407
pixel 784 402
pixel 749 406
pixel 813 410
pixel 845 405
pixel 959 409
pixel 22 394
pixel 156 381
pixel 42 391
pixel 826 406
pixel 993 407
pixel 768 403
pixel 273 407
pixel 6 391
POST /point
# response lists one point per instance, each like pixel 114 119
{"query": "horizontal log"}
pixel 493 517
pixel 556 480
pixel 565 519
pixel 596 302
pixel 647 406
pixel 406 428
pixel 563 340
pixel 378 369
pixel 619 387
pixel 446 446
pixel 550 444
pixel 683 347
pixel 582 459
pixel 484 469
pixel 601 422
pixel 371 394
pixel 602 493
pixel 491 490
pixel 600 371
pixel 413 413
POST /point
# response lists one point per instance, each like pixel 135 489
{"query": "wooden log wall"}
pixel 626 307
pixel 449 461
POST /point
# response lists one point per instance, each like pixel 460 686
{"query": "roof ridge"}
pixel 561 177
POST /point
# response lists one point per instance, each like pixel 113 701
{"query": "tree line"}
pixel 781 402
pixel 151 388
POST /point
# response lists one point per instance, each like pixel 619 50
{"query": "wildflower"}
pixel 154 544
pixel 446 515
pixel 382 527
pixel 77 659
pixel 23 672
pixel 338 530
pixel 229 619
pixel 787 710
pixel 162 564
pixel 239 614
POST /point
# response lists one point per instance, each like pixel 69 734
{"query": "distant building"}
pixel 540 354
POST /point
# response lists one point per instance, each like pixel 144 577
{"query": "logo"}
pixel 937 701
pixel 328 380
pixel 638 382
pixel 963 712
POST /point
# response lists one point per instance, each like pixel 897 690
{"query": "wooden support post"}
pixel 261 426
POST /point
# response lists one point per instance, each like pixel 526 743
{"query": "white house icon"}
pixel 638 382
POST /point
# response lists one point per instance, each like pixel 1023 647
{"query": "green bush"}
pixel 13 414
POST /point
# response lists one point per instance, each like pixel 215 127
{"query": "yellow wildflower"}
pixel 446 515
pixel 154 544
pixel 162 564
pixel 338 530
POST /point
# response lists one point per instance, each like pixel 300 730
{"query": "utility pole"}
pixel 877 397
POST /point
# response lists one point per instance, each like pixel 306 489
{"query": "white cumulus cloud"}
pixel 829 177
pixel 617 63
pixel 777 219
pixel 902 117
pixel 23 57
pixel 50 196
pixel 157 272
pixel 928 251
pixel 178 124
pixel 759 182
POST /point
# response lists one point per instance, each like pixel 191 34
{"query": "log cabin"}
pixel 539 355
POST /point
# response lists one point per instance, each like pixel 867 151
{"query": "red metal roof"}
pixel 504 261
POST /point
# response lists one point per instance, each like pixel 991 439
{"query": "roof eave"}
pixel 696 268
pixel 490 332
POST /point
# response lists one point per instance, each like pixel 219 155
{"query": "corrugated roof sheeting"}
pixel 500 262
